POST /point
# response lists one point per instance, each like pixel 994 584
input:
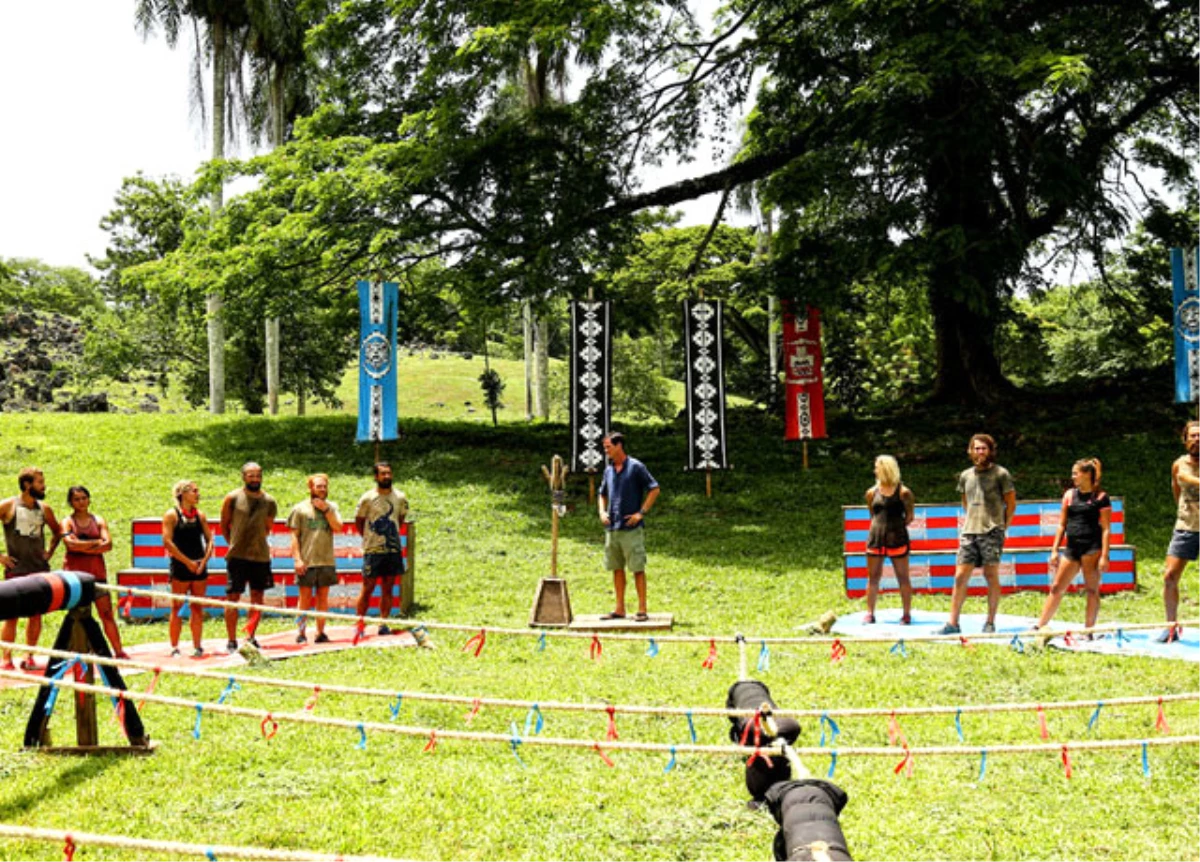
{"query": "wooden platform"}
pixel 593 623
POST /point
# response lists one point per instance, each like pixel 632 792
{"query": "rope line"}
pixel 227 851
pixel 617 636
pixel 233 681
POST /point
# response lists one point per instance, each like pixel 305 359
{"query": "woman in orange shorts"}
pixel 891 504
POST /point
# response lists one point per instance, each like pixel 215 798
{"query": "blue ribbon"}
pixel 515 742
pixel 302 623
pixel 362 738
pixel 1121 638
pixel 652 649
pixel 982 764
pixel 199 713
pixel 670 763
pixel 691 727
pixel 52 698
pixel 833 729
pixel 1145 759
pixel 394 707
pixel 764 658
pixel 210 854
pixel 1095 715
pixel 958 725
pixel 1016 644
pixel 537 726
pixel 104 678
pixel 900 646
pixel 832 763
pixel 541 646
pixel 229 689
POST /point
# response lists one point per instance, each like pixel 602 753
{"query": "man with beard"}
pixel 1185 541
pixel 313 524
pixel 380 513
pixel 247 516
pixel 25 518
pixel 989 499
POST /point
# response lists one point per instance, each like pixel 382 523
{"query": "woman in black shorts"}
pixel 188 541
pixel 1084 523
pixel 891 504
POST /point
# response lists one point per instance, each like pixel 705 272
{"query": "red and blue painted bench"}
pixel 151 567
pixel 1024 563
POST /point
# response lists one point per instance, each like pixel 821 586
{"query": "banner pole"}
pixel 805 454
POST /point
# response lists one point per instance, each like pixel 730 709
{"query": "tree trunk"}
pixel 213 303
pixel 527 330
pixel 968 370
pixel 301 408
pixel 541 343
pixel 277 108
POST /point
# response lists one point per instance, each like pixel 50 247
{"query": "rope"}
pixel 575 706
pixel 219 851
pixel 577 635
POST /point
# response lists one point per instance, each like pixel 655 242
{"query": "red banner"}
pixel 803 384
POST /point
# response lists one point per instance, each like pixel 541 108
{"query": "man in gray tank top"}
pixel 1185 540
pixel 25 518
pixel 247 516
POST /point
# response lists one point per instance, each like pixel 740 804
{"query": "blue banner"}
pixel 1187 324
pixel 377 416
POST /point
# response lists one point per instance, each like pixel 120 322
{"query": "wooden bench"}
pixel 1024 563
pixel 150 570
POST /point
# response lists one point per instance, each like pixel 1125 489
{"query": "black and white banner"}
pixel 703 333
pixel 591 383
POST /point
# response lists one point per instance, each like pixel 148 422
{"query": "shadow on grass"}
pixel 56 784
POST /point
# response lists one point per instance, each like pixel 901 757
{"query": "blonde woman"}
pixel 1084 523
pixel 189 544
pixel 891 505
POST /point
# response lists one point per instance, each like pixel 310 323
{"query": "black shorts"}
pixel 389 565
pixel 1077 549
pixel 239 573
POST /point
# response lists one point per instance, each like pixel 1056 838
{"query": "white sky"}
pixel 87 103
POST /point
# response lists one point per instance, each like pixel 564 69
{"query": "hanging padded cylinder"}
pixel 44 592
pixel 807 813
pixel 761 772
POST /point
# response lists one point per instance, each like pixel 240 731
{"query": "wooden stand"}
pixel 551 603
pixel 81 634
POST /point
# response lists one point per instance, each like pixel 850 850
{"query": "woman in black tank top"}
pixel 188 542
pixel 891 506
pixel 1084 523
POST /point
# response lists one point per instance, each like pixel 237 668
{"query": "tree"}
pixel 65 290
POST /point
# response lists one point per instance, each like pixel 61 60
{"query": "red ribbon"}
pixel 69 848
pixel 1042 728
pixel 431 746
pixel 607 760
pixel 1069 639
pixel 119 716
pixel 311 703
pixel 612 723
pixel 470 716
pixel 966 644
pixel 895 733
pixel 596 649
pixel 837 652
pixel 756 755
pixel 478 640
pixel 252 622
pixel 756 725
pixel 1066 759
pixel 80 673
pixel 360 629
pixel 150 687
pixel 272 723
pixel 1160 723
pixel 906 764
pixel 711 658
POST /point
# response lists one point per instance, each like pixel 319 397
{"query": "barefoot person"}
pixel 188 542
pixel 989 499
pixel 891 505
pixel 1084 523
pixel 380 513
pixel 25 518
pixel 1185 541
pixel 87 540
pixel 627 492
pixel 313 524
pixel 247 516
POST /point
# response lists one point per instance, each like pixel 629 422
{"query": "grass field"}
pixel 761 557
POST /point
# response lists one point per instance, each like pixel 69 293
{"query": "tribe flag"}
pixel 804 388
pixel 703 331
pixel 378 305
pixel 591 383
pixel 1184 268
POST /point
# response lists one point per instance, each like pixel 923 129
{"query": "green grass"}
pixel 762 557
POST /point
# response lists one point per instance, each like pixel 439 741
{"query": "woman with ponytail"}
pixel 1084 524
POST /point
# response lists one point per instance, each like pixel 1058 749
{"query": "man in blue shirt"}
pixel 626 494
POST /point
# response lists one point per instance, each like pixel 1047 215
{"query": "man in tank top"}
pixel 1185 541
pixel 378 517
pixel 25 518
pixel 247 516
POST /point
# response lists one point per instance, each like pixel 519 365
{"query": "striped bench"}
pixel 150 570
pixel 1024 563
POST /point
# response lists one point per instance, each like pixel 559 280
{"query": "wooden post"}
pixel 86 732
pixel 551 603
pixel 591 489
pixel 805 454
pixel 556 476
pixel 708 482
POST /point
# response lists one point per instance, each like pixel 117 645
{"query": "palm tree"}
pixel 219 28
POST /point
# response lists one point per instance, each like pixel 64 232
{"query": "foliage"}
pixel 65 290
pixel 493 388
pixel 639 391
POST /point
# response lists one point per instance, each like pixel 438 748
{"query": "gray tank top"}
pixel 25 539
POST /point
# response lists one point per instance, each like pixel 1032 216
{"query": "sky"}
pixel 86 102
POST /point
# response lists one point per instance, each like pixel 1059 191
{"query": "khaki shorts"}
pixel 625 549
pixel 981 549
pixel 318 576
